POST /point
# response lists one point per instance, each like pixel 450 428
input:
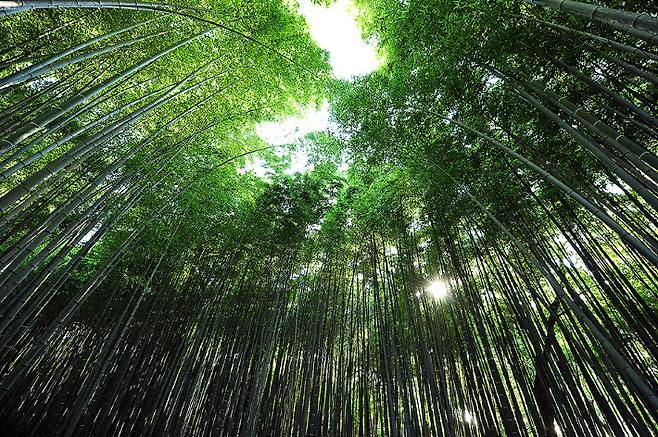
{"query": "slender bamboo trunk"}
pixel 631 19
pixel 44 120
pixel 647 394
pixel 48 64
pixel 11 7
pixel 623 234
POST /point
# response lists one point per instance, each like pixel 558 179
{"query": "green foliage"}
pixel 150 285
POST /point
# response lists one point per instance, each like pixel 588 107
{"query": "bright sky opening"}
pixel 333 28
pixel 439 289
pixel 294 128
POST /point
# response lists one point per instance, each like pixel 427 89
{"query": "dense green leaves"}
pixel 472 251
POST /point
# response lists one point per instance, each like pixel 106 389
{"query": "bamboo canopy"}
pixel 473 251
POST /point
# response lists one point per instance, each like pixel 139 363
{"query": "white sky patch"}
pixel 255 165
pixel 288 132
pixel 89 235
pixel 614 189
pixel 333 28
pixel 294 128
pixel 299 163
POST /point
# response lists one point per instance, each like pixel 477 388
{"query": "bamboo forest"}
pixel 329 218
